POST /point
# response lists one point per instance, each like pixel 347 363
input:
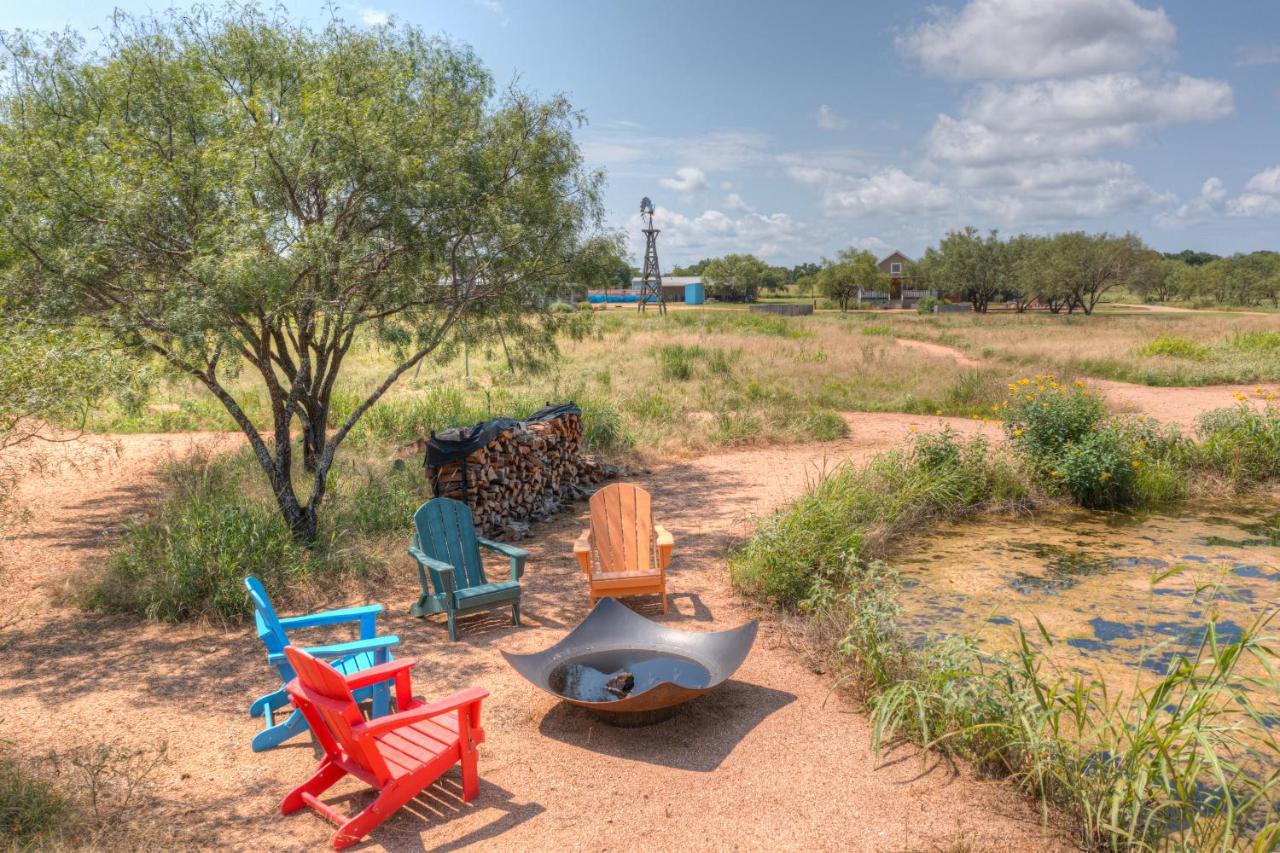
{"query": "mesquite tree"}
pixel 229 189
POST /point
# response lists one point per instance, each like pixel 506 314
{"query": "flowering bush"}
pixel 1043 418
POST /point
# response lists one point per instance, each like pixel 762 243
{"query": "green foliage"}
pixel 927 304
pixel 1099 471
pixel 854 512
pixel 1044 418
pixel 213 525
pixel 1240 443
pixel 730 322
pixel 1174 347
pixel 230 189
pixel 1162 766
pixel 740 278
pixel 31 806
pixel 677 361
pixel 840 280
pixel 1267 343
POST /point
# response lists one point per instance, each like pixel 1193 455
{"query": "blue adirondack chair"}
pixel 348 658
pixel 447 549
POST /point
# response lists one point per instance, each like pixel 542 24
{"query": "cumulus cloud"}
pixel 1033 39
pixel 733 201
pixel 374 17
pixel 495 8
pixel 688 179
pixel 829 120
pixel 890 191
pixel 1208 202
pixel 713 232
pixel 1261 196
pixel 1056 118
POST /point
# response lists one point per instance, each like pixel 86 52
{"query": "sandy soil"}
pixel 768 760
pixel 1179 406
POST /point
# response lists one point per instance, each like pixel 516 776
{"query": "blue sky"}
pixel 794 130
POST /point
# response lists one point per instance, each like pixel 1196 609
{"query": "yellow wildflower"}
pixel 1017 433
pixel 1136 464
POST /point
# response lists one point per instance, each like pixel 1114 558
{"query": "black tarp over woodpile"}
pixel 512 472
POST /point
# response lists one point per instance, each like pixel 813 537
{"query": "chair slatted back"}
pixel 270 631
pixel 445 532
pixel 622 529
pixel 329 707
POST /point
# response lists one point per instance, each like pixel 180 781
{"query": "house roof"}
pixel 894 254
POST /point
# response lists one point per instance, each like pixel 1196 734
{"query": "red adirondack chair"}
pixel 399 754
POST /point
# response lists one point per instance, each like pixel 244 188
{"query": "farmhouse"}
pixel 899 294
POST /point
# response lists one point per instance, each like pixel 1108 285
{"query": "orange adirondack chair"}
pixel 399 754
pixel 623 552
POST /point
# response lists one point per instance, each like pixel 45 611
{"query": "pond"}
pixel 1088 577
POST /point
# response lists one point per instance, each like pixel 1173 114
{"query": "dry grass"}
pixel 1148 348
pixel 692 381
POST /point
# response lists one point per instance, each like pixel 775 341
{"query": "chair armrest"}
pixel 502 548
pixel 341 650
pixel 396 669
pixel 665 543
pixel 331 617
pixel 582 550
pixel 516 555
pixel 456 702
pixel 443 569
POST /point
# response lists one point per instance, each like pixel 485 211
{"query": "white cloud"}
pixel 1030 39
pixel 688 179
pixel 889 191
pixel 1258 54
pixel 829 120
pixel 1057 118
pixel 1261 196
pixel 496 8
pixel 713 233
pixel 374 17
pixel 1208 202
pixel 733 201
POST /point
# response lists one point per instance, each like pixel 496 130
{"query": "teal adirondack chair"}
pixel 449 566
pixel 348 658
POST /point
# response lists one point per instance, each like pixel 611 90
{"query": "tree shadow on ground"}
pixel 699 737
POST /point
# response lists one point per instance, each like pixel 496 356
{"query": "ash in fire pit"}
pixel 605 676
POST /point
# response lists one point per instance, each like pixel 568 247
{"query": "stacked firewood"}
pixel 527 472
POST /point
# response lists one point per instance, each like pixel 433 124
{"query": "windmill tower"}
pixel 651 278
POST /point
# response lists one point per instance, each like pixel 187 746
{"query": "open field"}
pixel 1166 348
pixel 695 380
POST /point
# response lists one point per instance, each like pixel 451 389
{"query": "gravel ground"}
pixel 771 759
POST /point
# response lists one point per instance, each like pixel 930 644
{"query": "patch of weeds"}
pixel 1173 346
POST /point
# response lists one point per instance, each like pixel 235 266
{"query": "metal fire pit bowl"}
pixel 669 667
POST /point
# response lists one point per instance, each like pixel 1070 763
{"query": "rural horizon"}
pixel 501 425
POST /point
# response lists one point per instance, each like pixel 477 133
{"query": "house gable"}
pixel 886 264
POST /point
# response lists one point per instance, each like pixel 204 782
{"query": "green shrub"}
pixel 1043 418
pixel 31 806
pixel 562 308
pixel 1240 443
pixel 928 304
pixel 1173 346
pixel 1265 343
pixel 677 361
pixel 213 525
pixel 1099 471
pixel 854 512
pixel 602 428
pixel 875 329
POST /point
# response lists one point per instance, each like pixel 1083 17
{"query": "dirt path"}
pixel 1176 309
pixel 1179 406
pixel 769 760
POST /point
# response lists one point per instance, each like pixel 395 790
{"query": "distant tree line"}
pixel 1199 277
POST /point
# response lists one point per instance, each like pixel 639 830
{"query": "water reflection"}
pixel 1088 577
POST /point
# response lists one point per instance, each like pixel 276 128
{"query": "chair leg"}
pixel 273 736
pixel 387 803
pixel 515 612
pixel 324 777
pixel 470 771
pixel 453 626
